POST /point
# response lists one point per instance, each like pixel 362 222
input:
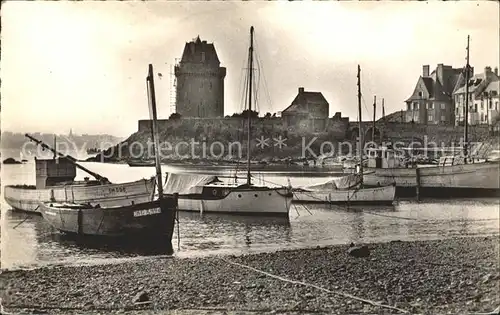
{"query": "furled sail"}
pixel 341 183
pixel 186 184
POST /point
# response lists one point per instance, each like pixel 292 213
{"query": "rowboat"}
pixel 141 163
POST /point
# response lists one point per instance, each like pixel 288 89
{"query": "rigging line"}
pixel 266 88
pixel 343 294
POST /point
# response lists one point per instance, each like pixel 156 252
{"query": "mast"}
pixel 156 140
pixel 374 112
pixel 383 109
pixel 250 66
pixel 55 148
pixel 466 118
pixel 360 129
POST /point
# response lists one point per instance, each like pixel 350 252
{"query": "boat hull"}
pixel 26 199
pixel 143 219
pixel 465 180
pixel 376 196
pixel 248 201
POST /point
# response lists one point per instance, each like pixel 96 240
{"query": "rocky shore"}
pixel 453 276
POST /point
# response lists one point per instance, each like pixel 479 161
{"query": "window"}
pixel 458 110
pixel 409 106
pixel 210 85
pixel 443 106
pixel 482 117
pixel 482 105
pixel 420 94
pixel 430 106
pixel 202 56
pixel 415 106
pixel 491 105
pixel 443 118
pixel 430 118
pixel 475 108
pixel 496 105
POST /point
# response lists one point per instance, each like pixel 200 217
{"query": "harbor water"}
pixel 28 241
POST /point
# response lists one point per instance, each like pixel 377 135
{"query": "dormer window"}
pixel 420 94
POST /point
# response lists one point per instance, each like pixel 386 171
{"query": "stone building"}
pixel 483 98
pixel 200 81
pixel 309 110
pixel 306 105
pixel 431 101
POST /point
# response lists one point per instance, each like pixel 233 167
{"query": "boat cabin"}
pixel 51 172
pixel 384 157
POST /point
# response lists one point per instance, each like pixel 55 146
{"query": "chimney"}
pixel 440 73
pixel 425 71
pixel 301 90
pixel 496 71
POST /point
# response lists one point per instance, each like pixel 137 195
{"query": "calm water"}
pixel 27 241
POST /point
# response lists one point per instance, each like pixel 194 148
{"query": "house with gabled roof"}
pixel 483 98
pixel 306 106
pixel 431 101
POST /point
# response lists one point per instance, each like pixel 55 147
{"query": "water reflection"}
pixel 27 240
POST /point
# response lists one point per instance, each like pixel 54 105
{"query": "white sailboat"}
pixel 348 189
pixel 203 193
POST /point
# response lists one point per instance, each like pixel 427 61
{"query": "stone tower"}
pixel 200 81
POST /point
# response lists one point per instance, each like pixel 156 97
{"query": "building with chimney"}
pixel 483 98
pixel 431 101
pixel 199 81
pixel 306 105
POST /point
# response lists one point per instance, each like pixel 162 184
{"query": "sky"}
pixel 81 65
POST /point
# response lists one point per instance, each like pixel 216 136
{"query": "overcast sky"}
pixel 82 65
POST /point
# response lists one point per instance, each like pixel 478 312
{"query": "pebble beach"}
pixel 451 276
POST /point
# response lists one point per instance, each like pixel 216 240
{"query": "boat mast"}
pixel 374 112
pixel 466 115
pixel 360 151
pixel 156 140
pixel 250 66
pixel 55 148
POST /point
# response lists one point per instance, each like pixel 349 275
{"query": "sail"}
pixel 341 183
pixel 185 184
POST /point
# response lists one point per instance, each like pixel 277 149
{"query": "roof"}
pixel 303 98
pixel 198 51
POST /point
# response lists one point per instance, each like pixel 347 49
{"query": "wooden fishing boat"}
pixel 55 183
pixel 348 189
pixel 142 219
pixel 151 218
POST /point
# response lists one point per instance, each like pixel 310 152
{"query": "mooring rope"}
pixel 347 295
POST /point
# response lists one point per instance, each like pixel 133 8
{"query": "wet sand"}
pixel 453 276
